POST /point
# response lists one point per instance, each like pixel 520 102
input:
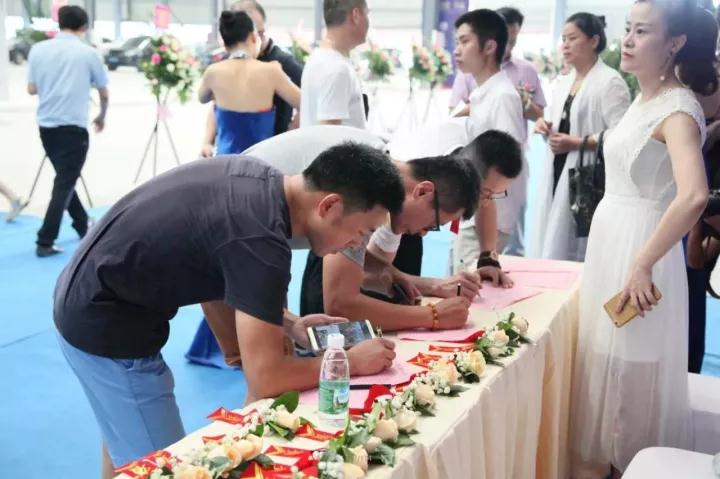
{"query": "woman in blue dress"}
pixel 242 88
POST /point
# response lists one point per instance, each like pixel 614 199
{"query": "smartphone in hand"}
pixel 629 312
pixel 354 331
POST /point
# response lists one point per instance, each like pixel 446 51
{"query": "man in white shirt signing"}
pixel 482 37
pixel 331 90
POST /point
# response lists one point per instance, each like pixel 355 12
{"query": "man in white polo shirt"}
pixel 524 77
pixel 497 158
pixel 331 90
pixel 495 104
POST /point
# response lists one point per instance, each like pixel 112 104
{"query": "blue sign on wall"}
pixel 448 12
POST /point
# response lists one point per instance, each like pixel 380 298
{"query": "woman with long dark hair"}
pixel 630 384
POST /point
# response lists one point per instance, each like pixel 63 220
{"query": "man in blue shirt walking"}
pixel 61 72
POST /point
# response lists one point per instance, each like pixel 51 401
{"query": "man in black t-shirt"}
pixel 269 52
pixel 208 231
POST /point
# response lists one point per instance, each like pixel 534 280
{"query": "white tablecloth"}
pixel 669 463
pixel 513 424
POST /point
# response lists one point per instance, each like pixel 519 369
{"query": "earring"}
pixel 669 58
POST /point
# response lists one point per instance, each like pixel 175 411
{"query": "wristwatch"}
pixel 488 258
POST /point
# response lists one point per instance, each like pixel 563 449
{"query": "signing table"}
pixel 513 423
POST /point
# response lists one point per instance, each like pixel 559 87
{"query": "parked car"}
pixel 19 47
pixel 131 53
pixel 209 54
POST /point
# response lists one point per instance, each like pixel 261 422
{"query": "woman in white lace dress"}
pixel 630 384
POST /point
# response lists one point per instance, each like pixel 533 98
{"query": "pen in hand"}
pixel 458 289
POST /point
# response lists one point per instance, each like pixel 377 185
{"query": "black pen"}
pixel 458 289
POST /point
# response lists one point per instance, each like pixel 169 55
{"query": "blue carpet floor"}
pixel 46 426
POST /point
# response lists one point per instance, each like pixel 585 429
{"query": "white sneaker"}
pixel 16 206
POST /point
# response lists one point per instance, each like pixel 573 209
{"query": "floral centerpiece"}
pixel 299 49
pixel 379 63
pixel 170 68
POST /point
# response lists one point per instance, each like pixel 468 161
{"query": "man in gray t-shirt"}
pixel 209 231
pixel 290 153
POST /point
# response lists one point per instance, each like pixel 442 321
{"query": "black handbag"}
pixel 587 187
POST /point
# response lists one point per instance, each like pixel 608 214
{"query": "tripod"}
pixel 37 177
pixel 431 103
pixel 160 116
pixel 409 109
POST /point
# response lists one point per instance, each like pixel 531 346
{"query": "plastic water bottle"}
pixel 334 383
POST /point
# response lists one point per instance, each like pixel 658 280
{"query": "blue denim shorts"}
pixel 133 401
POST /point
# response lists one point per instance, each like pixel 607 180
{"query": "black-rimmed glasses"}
pixel 494 196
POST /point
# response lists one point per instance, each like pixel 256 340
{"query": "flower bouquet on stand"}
pixel 549 65
pixel 421 72
pixel 299 49
pixel 379 65
pixel 169 69
pixel 379 68
pixel 611 57
pixel 423 67
pixel 442 70
pixel 443 65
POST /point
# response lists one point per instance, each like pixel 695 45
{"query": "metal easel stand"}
pixel 160 115
pixel 37 177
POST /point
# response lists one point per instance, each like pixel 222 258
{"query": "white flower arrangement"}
pixel 370 439
pixel 331 467
pixel 499 338
pixel 442 378
pixel 279 416
pixel 471 365
pixel 520 324
pixel 406 420
pixel 233 453
pixel 503 339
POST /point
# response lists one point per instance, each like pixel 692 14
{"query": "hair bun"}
pixel 601 19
